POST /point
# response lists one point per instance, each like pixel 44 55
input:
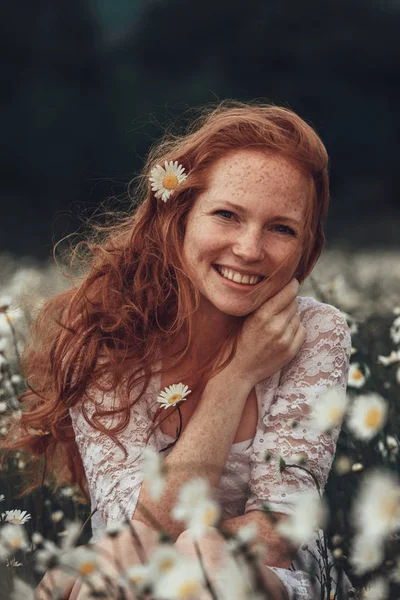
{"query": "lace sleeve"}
pixel 322 363
pixel 114 481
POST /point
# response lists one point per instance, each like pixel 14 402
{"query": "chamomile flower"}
pixel 329 410
pixel 206 515
pixel 190 496
pixel 136 577
pixel 173 394
pixel 154 472
pixel 367 415
pixel 366 554
pixel 393 357
pixel 376 512
pixel 163 558
pixel 16 517
pixel 184 581
pixel 378 589
pixel 357 375
pixel 21 591
pixel 310 514
pixel 13 538
pixel 82 559
pixel 164 180
pixel 395 330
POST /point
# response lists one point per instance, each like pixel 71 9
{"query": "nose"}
pixel 249 246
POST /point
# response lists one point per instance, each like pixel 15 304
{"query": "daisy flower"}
pixel 310 514
pixel 163 558
pixel 136 577
pixel 395 330
pixel 235 580
pixel 378 589
pixel 21 591
pixel 366 554
pixel 16 517
pixel 165 179
pixel 154 471
pixel 3 406
pixel 206 515
pixel 190 496
pixel 173 394
pixel 389 360
pixel 328 411
pixel 184 581
pixel 82 559
pixel 367 415
pixel 13 538
pixel 357 376
pixel 2 497
pixel 377 510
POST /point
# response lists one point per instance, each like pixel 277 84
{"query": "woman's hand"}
pixel 271 336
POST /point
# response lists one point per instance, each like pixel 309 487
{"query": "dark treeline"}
pixel 87 87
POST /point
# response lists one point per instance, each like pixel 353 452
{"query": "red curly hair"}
pixel 104 332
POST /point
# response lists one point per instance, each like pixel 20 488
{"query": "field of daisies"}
pixel 358 516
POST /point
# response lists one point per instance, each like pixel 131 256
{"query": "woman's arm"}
pixel 203 448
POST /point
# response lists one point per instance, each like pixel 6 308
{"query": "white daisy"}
pixel 366 554
pixel 190 496
pixel 376 512
pixel 378 589
pixel 389 360
pixel 328 411
pixel 136 577
pixel 82 559
pixel 357 376
pixel 395 330
pixel 310 514
pixel 173 394
pixel 165 179
pixel 154 471
pixel 2 497
pixel 367 415
pixel 16 517
pixel 235 580
pixel 13 538
pixel 206 515
pixel 57 516
pixel 183 582
pixel 21 591
pixel 163 558
pixel 342 464
pixel 3 406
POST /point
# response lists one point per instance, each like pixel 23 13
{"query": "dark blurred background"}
pixel 88 85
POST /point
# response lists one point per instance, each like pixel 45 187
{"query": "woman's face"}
pixel 256 236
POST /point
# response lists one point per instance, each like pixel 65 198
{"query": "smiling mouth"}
pixel 237 283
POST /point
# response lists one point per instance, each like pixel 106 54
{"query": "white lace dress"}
pixel 248 481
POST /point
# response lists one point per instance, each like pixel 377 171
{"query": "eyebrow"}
pixel 244 211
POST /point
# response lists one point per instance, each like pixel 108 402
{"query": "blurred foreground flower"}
pixel 376 511
pixel 366 555
pixel 12 538
pixel 310 514
pixel 358 375
pixel 367 415
pixel 154 471
pixel 328 411
pixel 196 507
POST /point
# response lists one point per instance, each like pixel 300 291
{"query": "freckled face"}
pixel 260 236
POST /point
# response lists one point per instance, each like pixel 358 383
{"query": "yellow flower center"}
pixel 174 398
pixel 209 516
pixel 373 418
pixel 334 413
pixel 15 543
pixel 86 568
pixel 170 181
pixel 391 507
pixel 166 564
pixel 357 374
pixel 187 589
pixel 136 578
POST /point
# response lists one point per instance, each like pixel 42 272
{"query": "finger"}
pixel 282 298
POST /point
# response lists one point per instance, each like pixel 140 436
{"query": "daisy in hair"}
pixel 165 179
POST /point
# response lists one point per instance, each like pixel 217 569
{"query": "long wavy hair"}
pixel 103 333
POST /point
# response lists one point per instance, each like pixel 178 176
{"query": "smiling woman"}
pixel 198 287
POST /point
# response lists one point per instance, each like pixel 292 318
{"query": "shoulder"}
pixel 321 319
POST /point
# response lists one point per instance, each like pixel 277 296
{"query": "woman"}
pixel 199 286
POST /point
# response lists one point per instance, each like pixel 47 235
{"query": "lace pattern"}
pixel 323 361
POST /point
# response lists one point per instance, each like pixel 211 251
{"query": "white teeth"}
pixel 237 277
